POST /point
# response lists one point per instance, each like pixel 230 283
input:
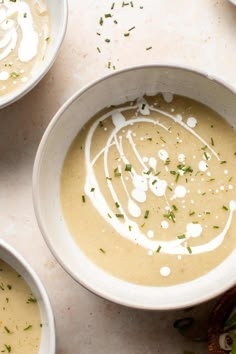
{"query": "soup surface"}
pixel 20 326
pixel 148 190
pixel 24 37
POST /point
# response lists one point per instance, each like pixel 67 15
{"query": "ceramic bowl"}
pixel 48 340
pixel 112 90
pixel 58 12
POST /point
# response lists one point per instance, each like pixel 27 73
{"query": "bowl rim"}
pixel 36 200
pixel 34 278
pixel 17 95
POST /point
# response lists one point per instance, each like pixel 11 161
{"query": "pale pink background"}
pixel 197 33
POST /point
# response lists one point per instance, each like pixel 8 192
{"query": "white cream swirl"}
pixel 17 31
pixel 148 180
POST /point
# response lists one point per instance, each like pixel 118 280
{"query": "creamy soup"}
pixel 20 324
pixel 24 37
pixel 148 190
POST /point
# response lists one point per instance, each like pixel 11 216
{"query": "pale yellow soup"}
pixel 20 322
pixel 24 38
pixel 148 190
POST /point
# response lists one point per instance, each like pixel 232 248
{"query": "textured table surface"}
pixel 197 33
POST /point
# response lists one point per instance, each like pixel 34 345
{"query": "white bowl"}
pixel 112 90
pixel 58 12
pixel 48 340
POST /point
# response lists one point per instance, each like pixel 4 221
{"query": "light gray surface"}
pixel 202 37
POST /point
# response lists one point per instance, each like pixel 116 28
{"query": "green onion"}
pixel 120 215
pixel 7 329
pixel 146 214
pixel 117 205
pixel 128 167
pixel 158 249
pixel 83 198
pixel 27 328
pixel 222 162
pixel 181 237
pixel 8 347
pixel 189 250
pixel 131 29
pixel 148 48
pixel 212 142
pixel 102 250
pixel 225 208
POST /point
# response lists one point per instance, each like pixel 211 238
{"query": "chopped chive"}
pixel 126 34
pixel 83 198
pixel 109 215
pixel 131 29
pixel 107 15
pixel 177 177
pixel 101 21
pixel 162 140
pixel 109 178
pixel 99 50
pixel 181 237
pixel 148 48
pixel 173 172
pixel 120 215
pixel 158 249
pixel 27 328
pixel 212 142
pixel 189 250
pixel 222 162
pixel 174 207
pixel 216 227
pixel 148 172
pixel 8 347
pixel 195 222
pixel 170 189
pixel 7 329
pixel 146 214
pixel 225 208
pixel 112 6
pixel 206 156
pixel 128 167
pixel 31 300
pixel 102 250
pixel 207 212
pixel 154 182
pixel 107 40
pixel 117 205
pixel 191 213
pixel 116 22
pixel 130 228
pixel 14 75
pixel 9 287
pixel 92 189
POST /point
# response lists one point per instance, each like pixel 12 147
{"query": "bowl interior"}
pixel 113 90
pixel 10 256
pixel 58 22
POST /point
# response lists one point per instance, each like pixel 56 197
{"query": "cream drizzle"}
pixel 128 228
pixel 14 16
